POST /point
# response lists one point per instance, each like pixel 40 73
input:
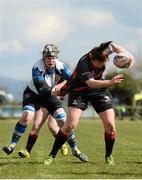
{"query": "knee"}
pixel 60 116
pixel 68 127
pixel 71 126
pixel 26 118
pixel 110 131
pixel 110 128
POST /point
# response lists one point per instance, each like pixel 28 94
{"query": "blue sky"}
pixel 76 26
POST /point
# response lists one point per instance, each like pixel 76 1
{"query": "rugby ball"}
pixel 123 60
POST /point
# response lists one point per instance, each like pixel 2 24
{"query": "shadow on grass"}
pixel 119 174
pixel 85 163
pixel 135 162
pixel 21 161
pixel 75 172
pixel 88 173
pixel 9 157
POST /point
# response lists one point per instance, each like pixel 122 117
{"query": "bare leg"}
pixel 39 119
pixel 108 119
pixel 19 130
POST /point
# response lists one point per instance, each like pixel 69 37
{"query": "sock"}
pixel 18 132
pixel 31 141
pixel 72 141
pixel 60 139
pixel 109 142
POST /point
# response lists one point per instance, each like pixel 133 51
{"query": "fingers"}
pixel 55 92
pixel 119 76
pixel 117 79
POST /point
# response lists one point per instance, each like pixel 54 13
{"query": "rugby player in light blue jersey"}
pixel 46 73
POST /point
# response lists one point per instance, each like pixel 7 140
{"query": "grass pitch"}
pixel 89 134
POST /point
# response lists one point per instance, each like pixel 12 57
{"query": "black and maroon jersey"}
pixel 84 71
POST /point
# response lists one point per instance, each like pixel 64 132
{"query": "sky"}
pixel 75 26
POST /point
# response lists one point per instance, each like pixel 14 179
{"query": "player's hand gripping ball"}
pixel 123 60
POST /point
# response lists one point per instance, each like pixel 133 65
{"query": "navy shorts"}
pixel 34 102
pixel 100 100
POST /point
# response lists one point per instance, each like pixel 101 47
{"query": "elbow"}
pixel 91 85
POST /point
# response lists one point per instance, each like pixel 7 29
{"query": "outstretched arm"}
pixel 92 83
pixel 119 49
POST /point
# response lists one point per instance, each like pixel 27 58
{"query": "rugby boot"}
pixel 64 149
pixel 8 149
pixel 81 156
pixel 49 160
pixel 24 153
pixel 109 160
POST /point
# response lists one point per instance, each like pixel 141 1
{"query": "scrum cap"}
pixel 49 50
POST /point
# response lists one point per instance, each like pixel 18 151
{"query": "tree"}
pixel 124 91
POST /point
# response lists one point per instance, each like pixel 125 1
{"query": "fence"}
pixel 10 111
pixel 121 112
pixel 132 112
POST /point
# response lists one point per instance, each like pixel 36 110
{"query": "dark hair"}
pixel 99 53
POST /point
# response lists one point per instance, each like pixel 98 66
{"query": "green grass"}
pixel 127 153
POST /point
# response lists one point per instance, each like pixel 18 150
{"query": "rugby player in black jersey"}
pixel 85 85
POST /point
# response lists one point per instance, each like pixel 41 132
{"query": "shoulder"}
pixel 39 65
pixel 84 60
pixel 60 65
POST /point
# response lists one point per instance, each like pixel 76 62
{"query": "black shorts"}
pixel 35 101
pixel 100 101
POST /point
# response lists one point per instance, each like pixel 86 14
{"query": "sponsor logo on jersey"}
pixel 27 96
pixel 107 98
pixel 74 102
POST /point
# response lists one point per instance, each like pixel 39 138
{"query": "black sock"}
pixel 60 139
pixel 31 141
pixel 109 142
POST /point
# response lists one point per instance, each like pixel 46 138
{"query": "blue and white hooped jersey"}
pixel 43 80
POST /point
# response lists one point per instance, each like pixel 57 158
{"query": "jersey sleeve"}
pixel 84 71
pixel 39 83
pixel 65 72
pixel 80 75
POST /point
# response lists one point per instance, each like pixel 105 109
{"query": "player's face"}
pixel 50 62
pixel 98 64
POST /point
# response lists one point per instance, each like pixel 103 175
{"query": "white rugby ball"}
pixel 123 60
